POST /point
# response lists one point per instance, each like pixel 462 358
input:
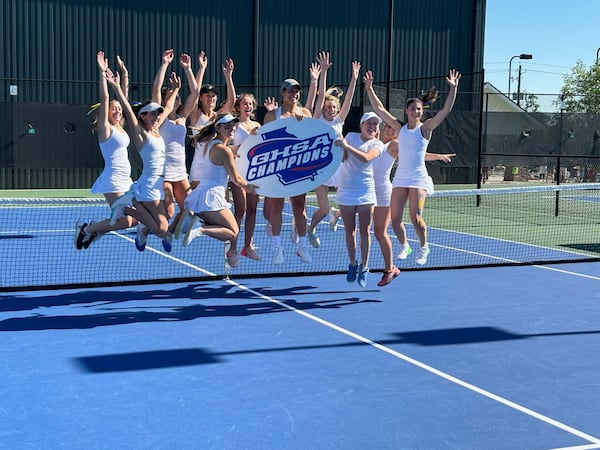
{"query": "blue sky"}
pixel 556 33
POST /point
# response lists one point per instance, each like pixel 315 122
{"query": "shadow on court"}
pixel 209 290
pixel 110 314
pixel 195 356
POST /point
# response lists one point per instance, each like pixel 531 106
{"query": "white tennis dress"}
pixel 116 176
pixel 382 168
pixel 196 167
pixel 338 125
pixel 209 195
pixel 240 135
pixel 149 186
pixel 173 133
pixel 357 183
pixel 411 171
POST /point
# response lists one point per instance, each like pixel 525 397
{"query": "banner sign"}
pixel 289 157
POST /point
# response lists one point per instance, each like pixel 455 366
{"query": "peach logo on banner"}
pixel 289 157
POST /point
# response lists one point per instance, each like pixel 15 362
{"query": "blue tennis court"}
pixel 495 358
pixel 503 357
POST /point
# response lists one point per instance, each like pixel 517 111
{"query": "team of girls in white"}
pixel 171 204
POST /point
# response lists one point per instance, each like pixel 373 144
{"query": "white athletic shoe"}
pixel 302 252
pixel 333 219
pixel 405 250
pixel 313 239
pixel 183 224
pixel 421 258
pixel 192 233
pixel 119 205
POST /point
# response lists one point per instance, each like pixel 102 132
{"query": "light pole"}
pixel 597 54
pixel 521 56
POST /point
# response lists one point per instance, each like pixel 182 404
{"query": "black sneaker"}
pixel 89 239
pixel 79 234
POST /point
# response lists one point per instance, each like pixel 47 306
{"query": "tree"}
pixel 581 90
pixel 531 103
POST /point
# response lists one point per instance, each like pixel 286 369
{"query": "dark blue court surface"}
pixel 497 358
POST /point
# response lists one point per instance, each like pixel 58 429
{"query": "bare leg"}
pixel 381 221
pixel 323 202
pixel 349 218
pixel 365 216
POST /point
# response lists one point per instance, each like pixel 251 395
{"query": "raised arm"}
pixel 378 107
pixel 136 134
pixel 124 74
pixel 202 64
pixel 227 68
pixel 102 124
pixel 325 64
pixel 192 99
pixel 159 78
pixel 430 124
pixel 170 97
pixel 314 70
pixel 196 112
pixel 350 92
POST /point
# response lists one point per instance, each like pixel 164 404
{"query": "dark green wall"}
pixel 49 50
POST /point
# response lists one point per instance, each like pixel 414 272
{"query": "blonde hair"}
pixel 238 100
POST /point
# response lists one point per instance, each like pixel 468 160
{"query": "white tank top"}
pixel 114 152
pixel 212 174
pixel 174 136
pixel 382 167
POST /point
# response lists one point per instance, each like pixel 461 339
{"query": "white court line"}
pixel 578 447
pixel 439 373
pixel 167 255
pixel 554 269
pixel 490 238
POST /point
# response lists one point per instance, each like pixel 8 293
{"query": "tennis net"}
pixel 466 228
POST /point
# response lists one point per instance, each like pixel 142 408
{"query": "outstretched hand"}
pixel 112 78
pixel 323 60
pixel 453 77
pixel 368 79
pixel 175 81
pixel 167 56
pixel 185 61
pixel 202 60
pixel 314 70
pixel 355 69
pixel 228 67
pixel 102 61
pixel 122 66
pixel 270 103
